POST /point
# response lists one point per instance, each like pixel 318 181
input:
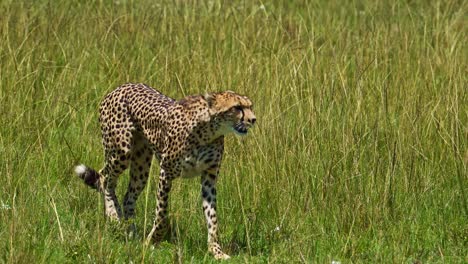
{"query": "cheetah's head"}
pixel 232 111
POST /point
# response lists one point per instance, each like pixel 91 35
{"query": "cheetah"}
pixel 185 136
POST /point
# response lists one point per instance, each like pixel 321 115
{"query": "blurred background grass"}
pixel 359 155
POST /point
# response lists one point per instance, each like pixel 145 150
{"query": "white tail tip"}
pixel 80 169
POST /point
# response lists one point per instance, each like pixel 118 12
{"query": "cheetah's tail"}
pixel 88 175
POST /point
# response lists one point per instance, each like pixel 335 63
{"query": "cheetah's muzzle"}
pixel 240 129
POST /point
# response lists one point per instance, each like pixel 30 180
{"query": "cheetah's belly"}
pixel 192 167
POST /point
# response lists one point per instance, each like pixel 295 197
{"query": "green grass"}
pixel 360 153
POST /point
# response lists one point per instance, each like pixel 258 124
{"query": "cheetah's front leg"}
pixel 208 182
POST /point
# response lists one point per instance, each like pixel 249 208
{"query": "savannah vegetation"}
pixel 359 154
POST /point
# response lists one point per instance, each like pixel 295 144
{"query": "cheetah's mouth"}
pixel 240 129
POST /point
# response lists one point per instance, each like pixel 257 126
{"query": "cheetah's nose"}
pixel 252 120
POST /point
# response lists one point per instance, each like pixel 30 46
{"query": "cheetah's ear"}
pixel 210 99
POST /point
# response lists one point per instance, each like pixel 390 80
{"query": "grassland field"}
pixel 359 154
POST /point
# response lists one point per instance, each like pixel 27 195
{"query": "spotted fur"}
pixel 186 137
